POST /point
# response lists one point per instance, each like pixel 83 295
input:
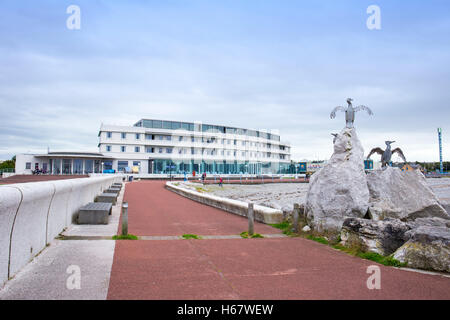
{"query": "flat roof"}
pixel 73 154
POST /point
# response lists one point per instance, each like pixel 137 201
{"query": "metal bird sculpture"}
pixel 349 112
pixel 335 135
pixel 387 154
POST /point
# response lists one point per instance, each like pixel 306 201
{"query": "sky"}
pixel 279 65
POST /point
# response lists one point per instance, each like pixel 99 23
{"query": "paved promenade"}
pixel 220 266
pixel 270 268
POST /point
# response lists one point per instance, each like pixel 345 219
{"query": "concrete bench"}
pixel 112 190
pixel 117 185
pixel 107 197
pixel 94 213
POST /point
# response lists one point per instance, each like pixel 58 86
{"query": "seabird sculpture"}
pixel 387 154
pixel 349 112
pixel 335 135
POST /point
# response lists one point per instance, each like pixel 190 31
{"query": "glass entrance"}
pixel 67 166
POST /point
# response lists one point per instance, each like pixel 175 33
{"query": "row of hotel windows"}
pixel 196 151
pixel 175 125
pixel 193 139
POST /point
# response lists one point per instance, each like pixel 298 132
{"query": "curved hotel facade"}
pixel 159 146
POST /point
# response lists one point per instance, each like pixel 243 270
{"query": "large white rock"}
pixel 403 195
pixel 339 190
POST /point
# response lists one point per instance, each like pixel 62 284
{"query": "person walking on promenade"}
pixel 221 182
pixel 204 177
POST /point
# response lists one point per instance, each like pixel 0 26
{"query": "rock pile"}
pixel 387 211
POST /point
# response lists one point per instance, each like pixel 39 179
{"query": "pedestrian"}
pixel 220 182
pixel 204 177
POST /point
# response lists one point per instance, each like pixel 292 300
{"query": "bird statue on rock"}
pixel 387 154
pixel 349 112
pixel 335 135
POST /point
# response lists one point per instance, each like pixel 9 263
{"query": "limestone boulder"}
pixel 428 248
pixel 339 190
pixel 403 195
pixel 382 237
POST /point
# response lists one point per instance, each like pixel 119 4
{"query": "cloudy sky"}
pixel 280 65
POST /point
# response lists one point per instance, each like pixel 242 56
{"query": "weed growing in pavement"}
pixel 125 237
pixel 246 236
pixel 191 236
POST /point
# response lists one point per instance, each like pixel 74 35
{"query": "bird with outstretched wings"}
pixel 361 107
pixel 338 108
pixel 399 153
pixel 375 150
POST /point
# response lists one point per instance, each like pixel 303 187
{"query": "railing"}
pixel 9 170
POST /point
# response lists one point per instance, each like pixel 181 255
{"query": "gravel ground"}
pixel 283 196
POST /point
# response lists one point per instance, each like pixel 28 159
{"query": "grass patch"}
pixel 387 261
pixel 125 237
pixel 191 236
pixel 200 189
pixel 372 256
pixel 246 236
pixel 357 249
pixel 317 239
pixel 285 227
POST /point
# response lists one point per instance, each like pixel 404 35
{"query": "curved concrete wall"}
pixel 57 218
pixel 33 214
pixel 262 214
pixel 29 229
pixel 10 199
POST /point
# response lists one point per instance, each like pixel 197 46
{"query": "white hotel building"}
pixel 160 147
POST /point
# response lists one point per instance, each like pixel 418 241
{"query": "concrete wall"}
pixel 262 214
pixel 33 214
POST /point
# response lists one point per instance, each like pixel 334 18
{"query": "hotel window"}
pixel 123 135
pixel 149 150
pixel 137 149
pixel 160 150
pixel 180 138
pixel 228 141
pixel 28 165
pixel 136 163
pixel 121 165
pixel 109 134
pixel 122 148
pixel 168 150
pixel 168 138
pixel 161 137
pixel 108 148
pixel 138 136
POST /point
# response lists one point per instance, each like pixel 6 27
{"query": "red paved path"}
pixel 155 211
pixel 287 268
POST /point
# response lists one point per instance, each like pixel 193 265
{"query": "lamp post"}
pixel 102 167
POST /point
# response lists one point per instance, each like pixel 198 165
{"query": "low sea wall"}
pixel 262 214
pixel 33 214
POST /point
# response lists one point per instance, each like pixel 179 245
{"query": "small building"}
pixel 63 163
pixel 411 167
